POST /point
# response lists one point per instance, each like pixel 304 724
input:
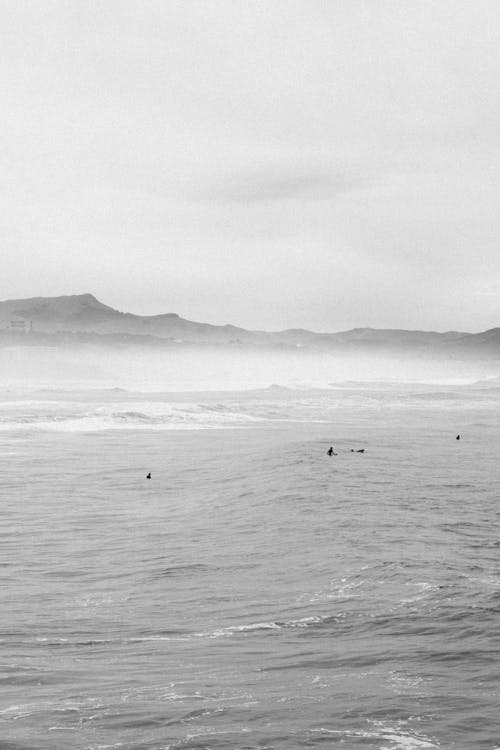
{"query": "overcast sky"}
pixel 269 163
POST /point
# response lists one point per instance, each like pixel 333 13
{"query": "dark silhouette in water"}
pixel 331 452
pixel 148 476
pixel 361 450
pixel 458 437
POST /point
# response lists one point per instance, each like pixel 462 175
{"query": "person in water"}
pixel 148 476
pixel 361 450
pixel 330 451
pixel 458 437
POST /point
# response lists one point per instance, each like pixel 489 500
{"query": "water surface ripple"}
pixel 255 593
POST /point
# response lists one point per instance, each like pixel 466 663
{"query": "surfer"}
pixel 458 437
pixel 331 452
pixel 148 476
pixel 361 450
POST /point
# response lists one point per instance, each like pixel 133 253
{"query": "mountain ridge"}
pixel 85 314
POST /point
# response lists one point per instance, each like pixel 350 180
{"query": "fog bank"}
pixel 206 369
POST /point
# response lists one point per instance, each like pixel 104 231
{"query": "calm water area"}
pixel 255 593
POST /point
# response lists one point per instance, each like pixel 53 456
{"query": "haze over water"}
pixel 255 593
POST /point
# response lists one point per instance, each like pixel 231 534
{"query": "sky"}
pixel 266 163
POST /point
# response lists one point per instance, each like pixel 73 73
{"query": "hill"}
pixel 83 318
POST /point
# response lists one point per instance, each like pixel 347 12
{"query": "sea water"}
pixel 255 593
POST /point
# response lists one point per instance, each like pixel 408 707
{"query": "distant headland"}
pixel 83 319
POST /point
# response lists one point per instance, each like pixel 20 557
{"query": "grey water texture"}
pixel 255 593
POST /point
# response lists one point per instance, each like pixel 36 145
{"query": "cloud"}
pixel 274 183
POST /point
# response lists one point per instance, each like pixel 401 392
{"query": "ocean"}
pixel 255 593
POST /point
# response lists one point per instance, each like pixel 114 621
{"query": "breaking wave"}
pixel 88 411
pixel 73 417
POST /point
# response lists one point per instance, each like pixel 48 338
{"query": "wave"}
pixel 76 416
pixel 246 628
pixel 398 737
pixel 91 412
pixel 73 417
